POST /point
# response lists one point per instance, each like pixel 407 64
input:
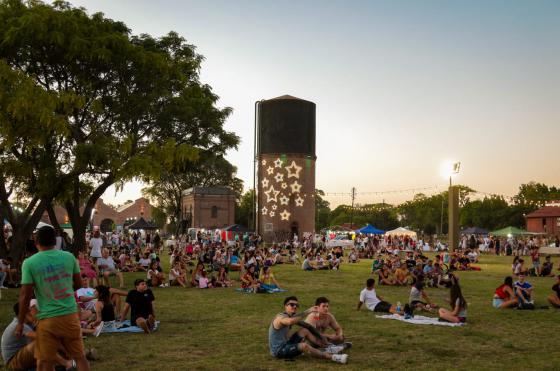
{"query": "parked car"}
pixel 342 241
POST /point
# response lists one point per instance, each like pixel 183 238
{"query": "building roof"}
pixel 545 212
pixel 208 191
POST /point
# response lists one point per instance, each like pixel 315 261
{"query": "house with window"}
pixel 207 207
pixel 544 220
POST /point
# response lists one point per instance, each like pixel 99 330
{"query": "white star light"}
pixel 272 213
pixel 284 185
pixel 264 210
pixel 279 177
pixel 278 163
pixel 299 201
pixel 263 162
pixel 293 170
pixel 271 194
pixel 274 207
pixel 264 183
pixel 285 215
pixel 270 170
pixel 284 200
pixel 295 187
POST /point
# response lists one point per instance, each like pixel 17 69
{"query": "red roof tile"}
pixel 545 212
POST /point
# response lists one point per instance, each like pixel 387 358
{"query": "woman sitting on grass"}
pixel 267 280
pixel 418 298
pixel 248 281
pixel 504 297
pixel 402 275
pixel 154 276
pixel 196 274
pixel 458 312
pixel 177 275
pixel 223 279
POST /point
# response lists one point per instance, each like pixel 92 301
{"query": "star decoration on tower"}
pixel 299 201
pixel 285 215
pixel 278 163
pixel 279 177
pixel 264 183
pixel 284 200
pixel 274 207
pixel 293 170
pixel 270 170
pixel 272 213
pixel 263 162
pixel 264 210
pixel 271 194
pixel 284 185
pixel 295 186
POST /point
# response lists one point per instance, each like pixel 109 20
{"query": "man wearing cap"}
pixel 53 275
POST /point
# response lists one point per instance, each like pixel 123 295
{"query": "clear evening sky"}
pixel 400 86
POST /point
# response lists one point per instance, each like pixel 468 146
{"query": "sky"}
pixel 400 86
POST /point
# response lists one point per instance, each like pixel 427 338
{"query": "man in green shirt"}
pixel 53 275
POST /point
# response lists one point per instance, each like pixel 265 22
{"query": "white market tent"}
pixel 401 232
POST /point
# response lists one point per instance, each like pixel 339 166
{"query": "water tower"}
pixel 285 168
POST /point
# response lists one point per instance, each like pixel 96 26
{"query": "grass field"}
pixel 221 329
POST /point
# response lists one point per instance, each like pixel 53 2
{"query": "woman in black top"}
pixel 104 307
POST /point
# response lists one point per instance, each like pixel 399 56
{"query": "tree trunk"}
pixel 52 217
pixel 22 230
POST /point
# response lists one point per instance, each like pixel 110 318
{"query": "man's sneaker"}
pixel 98 329
pixel 340 358
pixel 334 349
pixel 3 287
pixel 347 345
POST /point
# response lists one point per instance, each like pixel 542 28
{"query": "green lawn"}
pixel 224 329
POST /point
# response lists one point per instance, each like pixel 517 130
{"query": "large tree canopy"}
pixel 132 106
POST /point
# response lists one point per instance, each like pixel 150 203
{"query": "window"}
pixel 214 212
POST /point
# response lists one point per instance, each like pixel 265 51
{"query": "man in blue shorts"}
pixel 288 347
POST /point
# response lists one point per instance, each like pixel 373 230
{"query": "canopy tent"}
pixel 401 232
pixel 474 230
pixel 42 224
pixel 142 224
pixel 369 229
pixel 238 228
pixel 510 231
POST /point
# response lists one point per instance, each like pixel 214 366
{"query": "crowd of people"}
pixel 64 298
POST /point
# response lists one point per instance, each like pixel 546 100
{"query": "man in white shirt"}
pixel 95 244
pixel 373 302
pixel 86 295
pixel 107 268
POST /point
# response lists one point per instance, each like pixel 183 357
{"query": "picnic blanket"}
pixel 420 320
pixel 124 326
pixel 269 291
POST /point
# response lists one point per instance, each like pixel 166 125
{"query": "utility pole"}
pixel 353 194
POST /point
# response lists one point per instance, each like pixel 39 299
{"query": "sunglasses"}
pixel 293 305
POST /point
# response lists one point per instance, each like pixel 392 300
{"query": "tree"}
pixel 536 195
pixel 136 106
pixel 210 170
pixel 244 212
pixel 322 210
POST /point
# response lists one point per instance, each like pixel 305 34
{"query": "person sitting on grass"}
pixel 283 346
pixel 87 268
pixel 372 301
pixel 353 257
pixel 307 264
pixel 140 301
pixel 554 299
pixel 402 275
pixel 418 298
pixel 223 279
pixel 320 263
pixel 267 280
pixel 144 263
pixel 323 320
pixel 504 297
pixel 177 275
pixel 204 282
pixel 248 281
pixel 107 268
pixel 18 352
pixel 458 312
pixel 385 277
pixel 196 274
pixel 154 276
pixel 546 270
pixel 524 292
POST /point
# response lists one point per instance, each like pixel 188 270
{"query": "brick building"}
pixel 107 216
pixel 544 220
pixel 208 207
